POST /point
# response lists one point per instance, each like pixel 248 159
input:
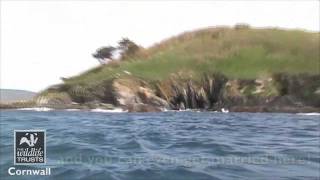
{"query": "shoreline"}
pixel 235 109
pixel 278 93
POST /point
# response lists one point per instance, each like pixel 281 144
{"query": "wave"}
pixel 309 114
pixel 181 110
pixel 72 109
pixel 116 110
pixel 223 110
pixel 36 109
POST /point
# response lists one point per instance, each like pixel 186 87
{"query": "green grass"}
pixel 242 53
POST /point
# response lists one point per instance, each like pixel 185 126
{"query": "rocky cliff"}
pixel 278 93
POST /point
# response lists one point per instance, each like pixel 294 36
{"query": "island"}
pixel 236 69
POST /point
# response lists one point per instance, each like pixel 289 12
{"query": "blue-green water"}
pixel 169 145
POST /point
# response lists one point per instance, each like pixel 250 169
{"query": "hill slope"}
pixel 11 95
pixel 237 53
pixel 239 68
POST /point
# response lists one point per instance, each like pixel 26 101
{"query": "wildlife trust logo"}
pixel 29 147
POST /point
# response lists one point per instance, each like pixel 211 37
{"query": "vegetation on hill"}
pixel 126 49
pixel 240 68
pixel 239 52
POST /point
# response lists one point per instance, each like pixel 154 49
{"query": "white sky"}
pixel 43 41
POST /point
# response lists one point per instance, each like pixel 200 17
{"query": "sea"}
pixel 172 145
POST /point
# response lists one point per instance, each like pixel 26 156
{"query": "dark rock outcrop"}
pixel 281 93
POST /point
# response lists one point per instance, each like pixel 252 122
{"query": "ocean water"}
pixel 169 145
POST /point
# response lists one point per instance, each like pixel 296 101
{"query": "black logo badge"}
pixel 29 147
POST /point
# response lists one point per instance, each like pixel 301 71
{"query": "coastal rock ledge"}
pixel 278 93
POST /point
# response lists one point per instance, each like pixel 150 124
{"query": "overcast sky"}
pixel 43 41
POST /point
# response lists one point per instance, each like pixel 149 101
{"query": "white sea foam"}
pixel 72 109
pixel 224 110
pixel 181 110
pixel 309 114
pixel 36 109
pixel 116 110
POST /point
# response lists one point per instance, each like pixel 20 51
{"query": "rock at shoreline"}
pixel 279 93
pixel 136 95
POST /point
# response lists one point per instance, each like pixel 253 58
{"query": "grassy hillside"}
pixel 236 52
